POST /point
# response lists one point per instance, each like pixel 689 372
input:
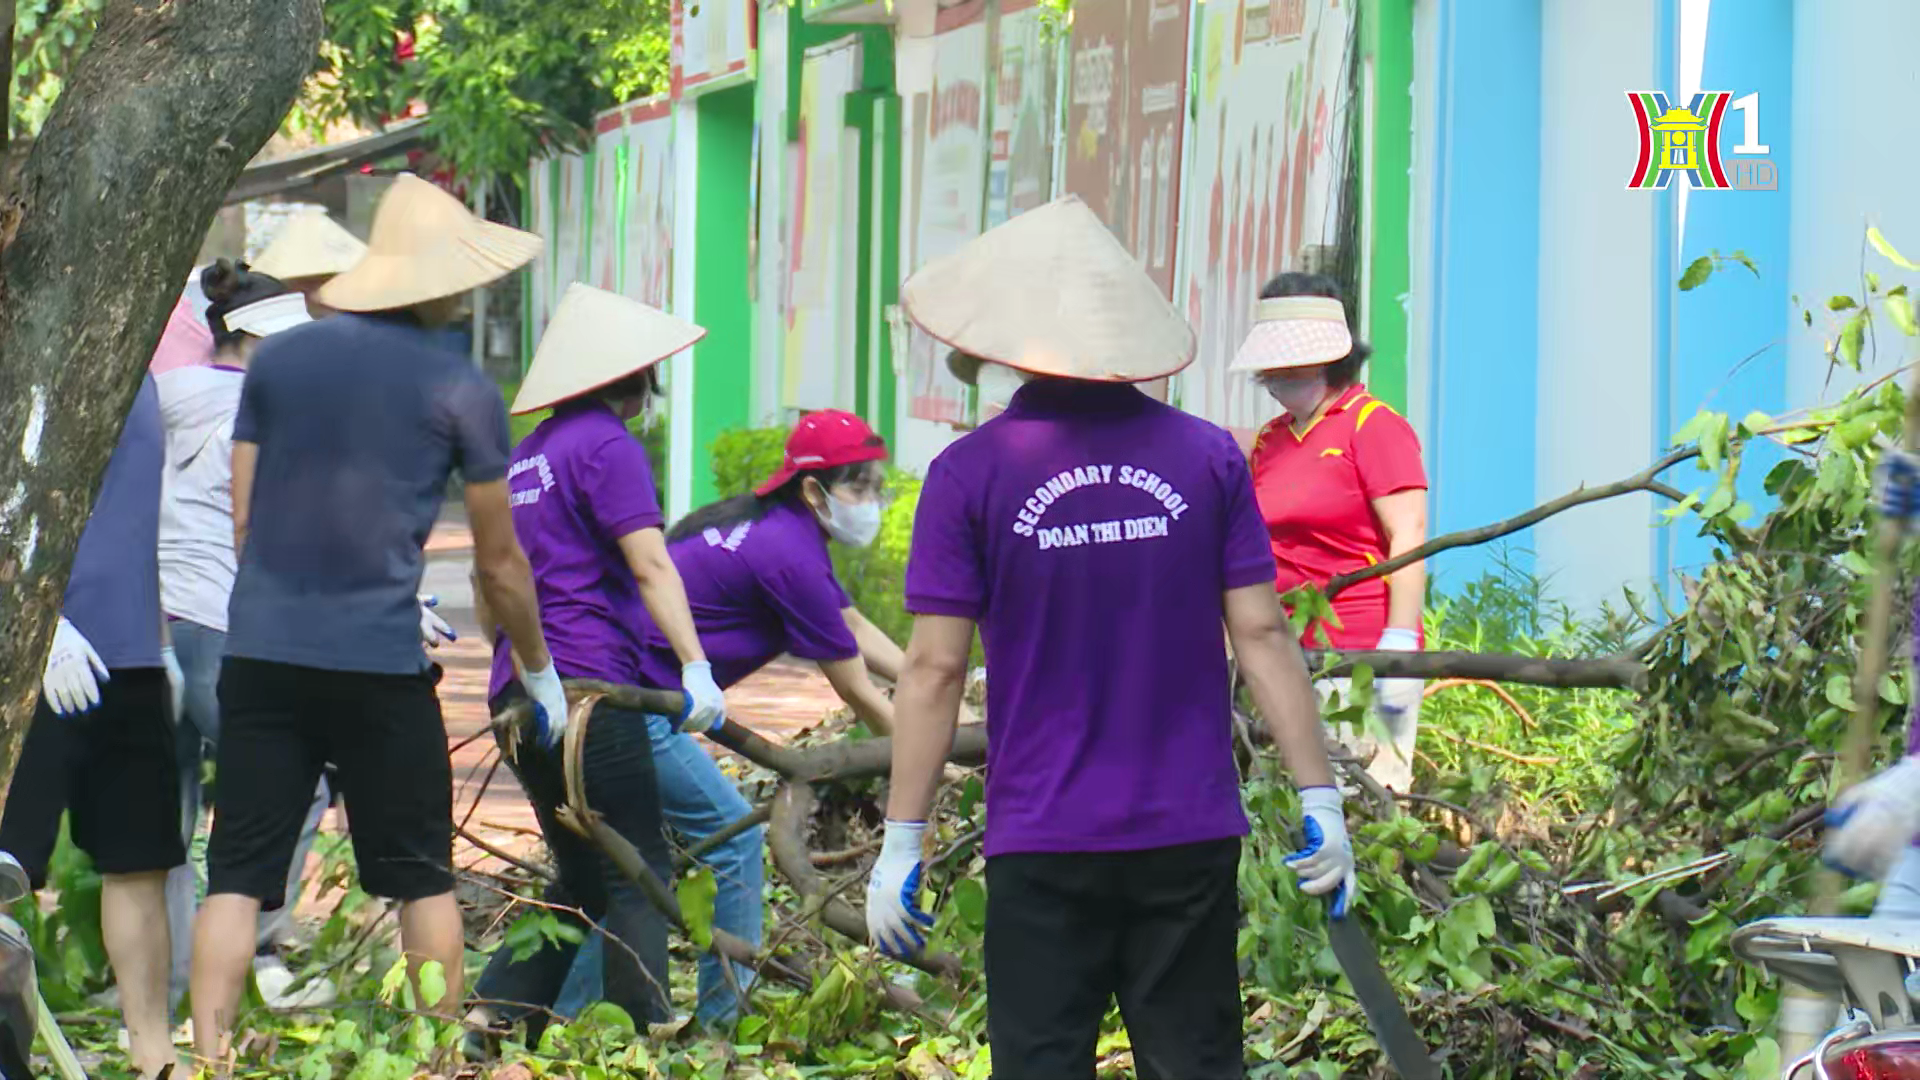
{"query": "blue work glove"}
pixel 1897 485
pixel 894 916
pixel 1872 822
pixel 549 704
pixel 706 707
pixel 1325 864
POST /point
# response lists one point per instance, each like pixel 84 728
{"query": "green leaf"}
pixel 433 983
pixel 1840 691
pixel 1763 1061
pixel 1841 303
pixel 1852 336
pixel 970 900
pixel 1745 260
pixel 697 891
pixel 1900 310
pixel 1755 423
pixel 1873 282
pixel 1697 273
pixel 394 985
pixel 1880 244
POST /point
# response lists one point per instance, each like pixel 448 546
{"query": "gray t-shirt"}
pixel 113 593
pixel 360 421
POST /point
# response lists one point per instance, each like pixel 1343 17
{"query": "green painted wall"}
pixel 723 361
pixel 1387 38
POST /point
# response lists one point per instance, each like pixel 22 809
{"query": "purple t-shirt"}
pixel 1091 531
pixel 757 590
pixel 578 483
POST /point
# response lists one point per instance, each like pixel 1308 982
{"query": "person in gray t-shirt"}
pixel 348 432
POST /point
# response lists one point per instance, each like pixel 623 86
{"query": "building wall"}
pixel 1551 345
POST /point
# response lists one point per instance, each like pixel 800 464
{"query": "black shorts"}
pixel 1068 933
pixel 279 726
pixel 113 768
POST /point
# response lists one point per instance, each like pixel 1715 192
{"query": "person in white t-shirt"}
pixel 197 407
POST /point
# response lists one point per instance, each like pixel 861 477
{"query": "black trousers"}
pixel 621 785
pixel 1067 933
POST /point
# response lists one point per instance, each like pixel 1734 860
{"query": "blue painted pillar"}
pixel 1725 349
pixel 1486 209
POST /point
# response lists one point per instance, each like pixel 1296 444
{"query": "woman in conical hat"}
pixel 310 250
pixel 1341 488
pixel 1097 539
pixel 761 579
pixel 348 433
pixel 586 512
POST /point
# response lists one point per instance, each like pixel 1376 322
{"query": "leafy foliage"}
pixel 501 80
pixel 48 35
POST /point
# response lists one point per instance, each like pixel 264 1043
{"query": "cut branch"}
pixel 1600 673
pixel 786 835
pixel 1644 480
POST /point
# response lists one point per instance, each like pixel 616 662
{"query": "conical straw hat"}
pixel 597 338
pixel 1053 293
pixel 310 246
pixel 426 245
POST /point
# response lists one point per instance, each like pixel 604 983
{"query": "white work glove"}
pixel 706 707
pixel 434 631
pixel 74 672
pixel 1398 695
pixel 549 704
pixel 176 681
pixel 1873 821
pixel 894 916
pixel 1325 864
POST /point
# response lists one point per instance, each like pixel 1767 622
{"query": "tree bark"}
pixel 161 113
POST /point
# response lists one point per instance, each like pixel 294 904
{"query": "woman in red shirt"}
pixel 1341 486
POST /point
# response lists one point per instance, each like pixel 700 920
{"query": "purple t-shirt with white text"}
pixel 758 589
pixel 578 483
pixel 1091 531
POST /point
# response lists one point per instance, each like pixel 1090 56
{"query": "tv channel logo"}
pixel 1685 141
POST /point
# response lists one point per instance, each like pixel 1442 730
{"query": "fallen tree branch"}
pixel 1487 748
pixel 1525 717
pixel 502 854
pixel 786 836
pixel 1597 673
pixel 1644 480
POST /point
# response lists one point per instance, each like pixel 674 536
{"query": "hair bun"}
pixel 223 280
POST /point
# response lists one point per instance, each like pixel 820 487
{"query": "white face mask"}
pixel 853 524
pixel 997 383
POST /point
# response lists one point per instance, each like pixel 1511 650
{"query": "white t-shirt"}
pixel 197 405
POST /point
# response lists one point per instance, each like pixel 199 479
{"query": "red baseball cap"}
pixel 824 440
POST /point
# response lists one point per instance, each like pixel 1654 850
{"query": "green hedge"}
pixel 873 576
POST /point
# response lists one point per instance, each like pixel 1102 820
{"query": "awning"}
pixel 308 167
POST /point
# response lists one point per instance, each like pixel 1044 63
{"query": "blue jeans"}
pixel 199 649
pixel 698 801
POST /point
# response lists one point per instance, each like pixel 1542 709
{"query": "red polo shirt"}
pixel 1316 493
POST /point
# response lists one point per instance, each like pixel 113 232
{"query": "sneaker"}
pixel 277 988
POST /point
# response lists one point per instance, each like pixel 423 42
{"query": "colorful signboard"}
pixel 1020 160
pixel 1125 118
pixel 823 188
pixel 713 44
pixel 647 213
pixel 952 181
pixel 1268 155
pixel 609 157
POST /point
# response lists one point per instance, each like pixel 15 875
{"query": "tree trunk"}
pixel 161 113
